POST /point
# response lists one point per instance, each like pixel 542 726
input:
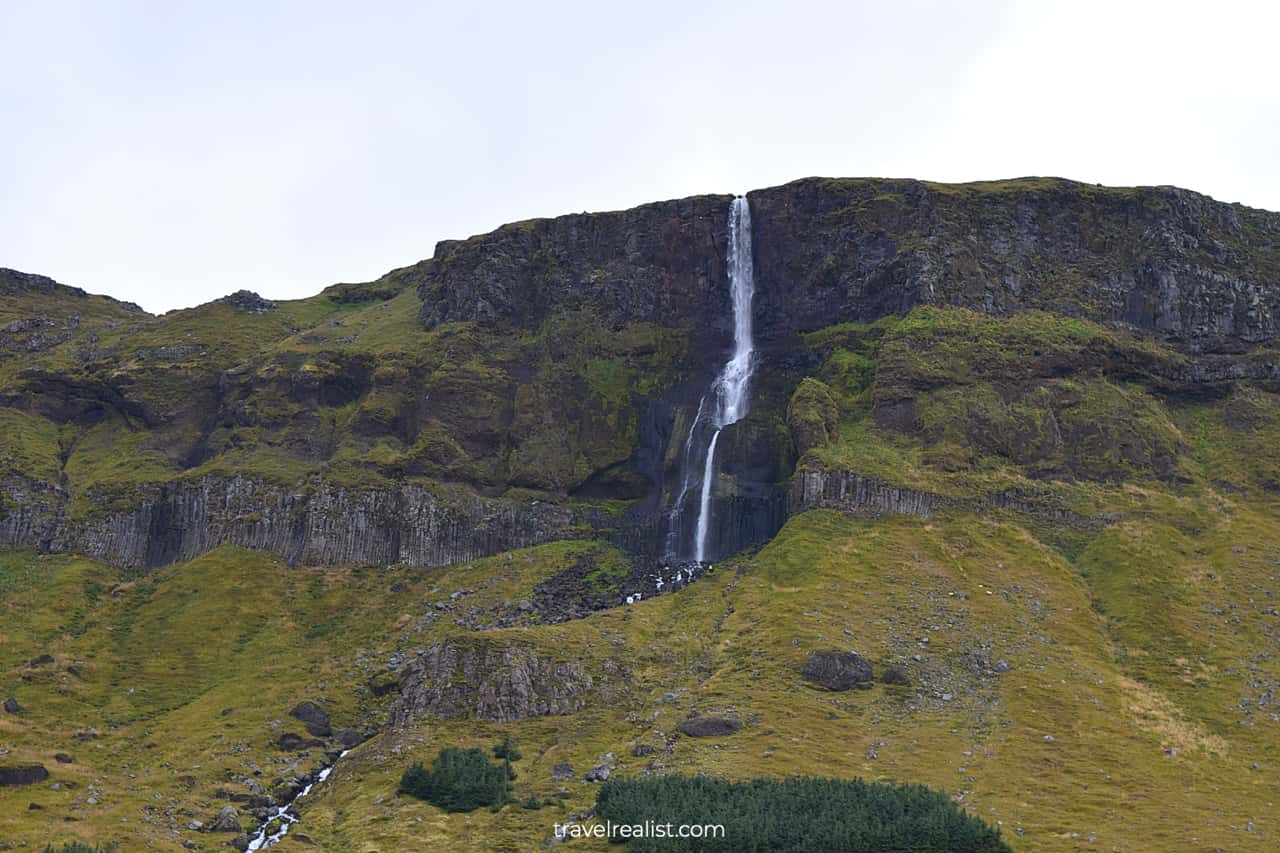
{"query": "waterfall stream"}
pixel 728 393
pixel 283 817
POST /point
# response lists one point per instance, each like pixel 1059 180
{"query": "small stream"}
pixel 283 817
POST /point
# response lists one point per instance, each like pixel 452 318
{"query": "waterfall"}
pixel 728 392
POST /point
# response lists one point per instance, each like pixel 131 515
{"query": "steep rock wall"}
pixel 320 525
pixel 1168 261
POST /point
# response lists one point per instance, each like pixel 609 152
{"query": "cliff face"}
pixel 660 263
pixel 322 525
pixel 1165 260
pixel 537 382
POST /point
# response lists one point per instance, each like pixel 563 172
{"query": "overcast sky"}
pixel 170 153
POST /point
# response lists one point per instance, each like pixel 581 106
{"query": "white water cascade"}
pixel 283 817
pixel 729 391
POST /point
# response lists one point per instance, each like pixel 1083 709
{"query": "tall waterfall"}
pixel 728 392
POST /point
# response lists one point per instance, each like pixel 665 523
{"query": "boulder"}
pixel 709 726
pixel 314 717
pixel 895 675
pixel 599 773
pixel 41 660
pixel 837 670
pixel 22 774
pixel 11 706
pixel 63 758
pixel 561 772
pixel 228 821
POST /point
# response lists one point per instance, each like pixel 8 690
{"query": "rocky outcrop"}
pixel 314 524
pixel 248 302
pixel 496 681
pixel 1168 261
pixel 314 717
pixel 855 494
pixel 16 283
pixel 660 263
pixel 22 774
pixel 228 820
pixel 837 670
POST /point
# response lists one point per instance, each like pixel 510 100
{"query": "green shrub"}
pixel 795 815
pixel 459 780
pixel 78 847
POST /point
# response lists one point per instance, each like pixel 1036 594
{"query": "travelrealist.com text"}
pixel 648 829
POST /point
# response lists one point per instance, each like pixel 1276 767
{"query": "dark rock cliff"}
pixel 317 526
pixel 1165 260
pixel 563 359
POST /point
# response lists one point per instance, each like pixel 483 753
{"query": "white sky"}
pixel 169 153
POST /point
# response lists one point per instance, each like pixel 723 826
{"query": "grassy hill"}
pixel 1064 532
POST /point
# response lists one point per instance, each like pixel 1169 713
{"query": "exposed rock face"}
pixel 1170 261
pixel 249 302
pixel 494 681
pixel 13 283
pixel 22 774
pixel 855 493
pixel 709 726
pixel 1202 275
pixel 315 718
pixel 837 670
pixel 858 495
pixel 1166 260
pixel 661 263
pixel 312 525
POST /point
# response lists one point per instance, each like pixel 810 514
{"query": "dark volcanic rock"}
pixel 660 263
pixel 293 742
pixel 63 758
pixel 22 774
pixel 315 718
pixel 494 680
pixel 41 660
pixel 895 675
pixel 837 670
pixel 249 302
pixel 11 706
pixel 709 726
pixel 318 526
pixel 1170 261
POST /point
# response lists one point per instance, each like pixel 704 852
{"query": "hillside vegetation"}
pixel 1052 536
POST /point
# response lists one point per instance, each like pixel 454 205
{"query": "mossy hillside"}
pixel 1131 715
pixel 1069 740
pixel 354 392
pixel 187 674
pixel 967 405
